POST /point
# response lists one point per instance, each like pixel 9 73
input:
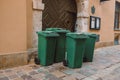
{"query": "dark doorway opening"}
pixel 59 13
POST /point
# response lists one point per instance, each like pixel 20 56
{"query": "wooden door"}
pixel 59 13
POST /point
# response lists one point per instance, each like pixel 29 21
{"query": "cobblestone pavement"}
pixel 106 66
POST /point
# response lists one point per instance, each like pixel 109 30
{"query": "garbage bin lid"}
pixel 48 34
pixel 58 30
pixel 93 35
pixel 77 35
pixel 62 31
pixel 53 29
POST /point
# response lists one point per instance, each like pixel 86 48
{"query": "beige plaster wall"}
pixel 13 26
pixel 29 20
pixel 104 10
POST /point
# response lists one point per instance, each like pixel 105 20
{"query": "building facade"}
pixel 20 20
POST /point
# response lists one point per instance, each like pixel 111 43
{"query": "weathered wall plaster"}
pixel 13 26
pixel 82 16
pixel 38 7
pixel 37 26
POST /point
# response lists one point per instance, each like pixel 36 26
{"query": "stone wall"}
pixel 38 6
pixel 37 25
pixel 82 16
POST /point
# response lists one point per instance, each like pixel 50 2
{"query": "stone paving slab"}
pixel 105 66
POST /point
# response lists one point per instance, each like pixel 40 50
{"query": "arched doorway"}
pixel 59 13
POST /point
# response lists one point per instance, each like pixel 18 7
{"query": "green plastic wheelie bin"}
pixel 52 29
pixel 75 49
pixel 61 44
pixel 89 47
pixel 46 47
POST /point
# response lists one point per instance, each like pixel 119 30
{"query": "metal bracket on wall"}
pixel 93 9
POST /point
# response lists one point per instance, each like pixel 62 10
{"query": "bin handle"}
pixel 47 32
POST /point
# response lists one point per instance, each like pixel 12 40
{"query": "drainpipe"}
pixel 82 16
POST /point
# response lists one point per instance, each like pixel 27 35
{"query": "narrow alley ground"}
pixel 106 66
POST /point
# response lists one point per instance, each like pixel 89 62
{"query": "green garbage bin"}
pixel 52 29
pixel 46 47
pixel 61 44
pixel 75 49
pixel 89 48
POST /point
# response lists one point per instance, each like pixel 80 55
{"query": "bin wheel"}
pixel 65 63
pixel 37 61
pixel 85 60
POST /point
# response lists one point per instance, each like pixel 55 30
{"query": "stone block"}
pixel 88 78
pixel 52 77
pixel 69 78
pixel 18 79
pixel 58 74
pixel 69 72
pixel 13 76
pixel 38 76
pixel 13 60
pixel 78 76
pixel 4 78
pixel 37 4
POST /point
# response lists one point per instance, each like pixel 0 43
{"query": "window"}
pixel 117 16
pixel 95 22
pixel 116 23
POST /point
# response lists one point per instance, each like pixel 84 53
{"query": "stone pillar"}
pixel 38 7
pixel 82 16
